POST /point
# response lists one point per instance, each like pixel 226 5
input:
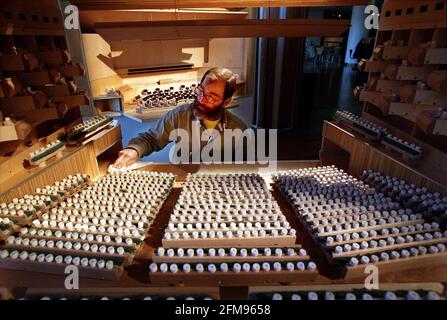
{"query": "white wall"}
pixel 357 31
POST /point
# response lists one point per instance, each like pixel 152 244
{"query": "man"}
pixel 359 50
pixel 208 111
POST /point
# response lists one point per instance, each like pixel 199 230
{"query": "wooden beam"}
pixel 89 17
pixel 176 4
pixel 202 29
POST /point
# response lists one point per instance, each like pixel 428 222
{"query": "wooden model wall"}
pixel 15 181
pixel 407 82
pixel 37 76
pixel 112 64
pixel 353 153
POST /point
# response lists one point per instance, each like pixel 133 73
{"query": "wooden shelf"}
pixel 417 34
pixel 344 287
pixel 231 278
pixel 17 180
pixel 369 96
pixel 57 90
pixel 38 78
pixel 169 4
pixel 429 260
pixel 10 29
pixel 206 29
pixel 434 98
pixel 412 73
pixel 383 101
pixel 437 80
pixel 416 56
pixel 45 114
pixel 436 56
pixel 430 124
pixel 146 116
pixel 278 241
pixel 395 52
pixel 429 171
pixel 18 62
pixel 413 13
pixel 71 101
pixel 35 31
pixel 54 268
pixel 373 66
pixel 19 105
pixel 391 85
pixel 68 71
pixel 52 57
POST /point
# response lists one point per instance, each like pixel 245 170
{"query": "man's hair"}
pixel 222 74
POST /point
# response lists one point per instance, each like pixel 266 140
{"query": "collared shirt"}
pixel 184 117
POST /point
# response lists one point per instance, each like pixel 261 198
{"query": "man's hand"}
pixel 126 157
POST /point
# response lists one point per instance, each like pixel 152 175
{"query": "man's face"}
pixel 211 100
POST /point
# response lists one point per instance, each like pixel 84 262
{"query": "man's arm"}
pixel 152 140
pixel 157 137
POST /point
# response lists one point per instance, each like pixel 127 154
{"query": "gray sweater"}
pixel 183 117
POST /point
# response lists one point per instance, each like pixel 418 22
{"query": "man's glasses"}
pixel 201 94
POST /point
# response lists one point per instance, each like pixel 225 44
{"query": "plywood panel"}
pixel 137 54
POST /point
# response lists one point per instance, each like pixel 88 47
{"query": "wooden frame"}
pixel 398 12
pixel 53 268
pixel 39 78
pixel 372 66
pixel 19 181
pixel 391 85
pixel 386 248
pixel 213 292
pixel 364 156
pixel 231 278
pixel 412 37
pixel 137 275
pixel 278 241
pixel 431 124
pixel 171 4
pixel 195 29
pixel 425 261
pixel 408 111
pixel 436 287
